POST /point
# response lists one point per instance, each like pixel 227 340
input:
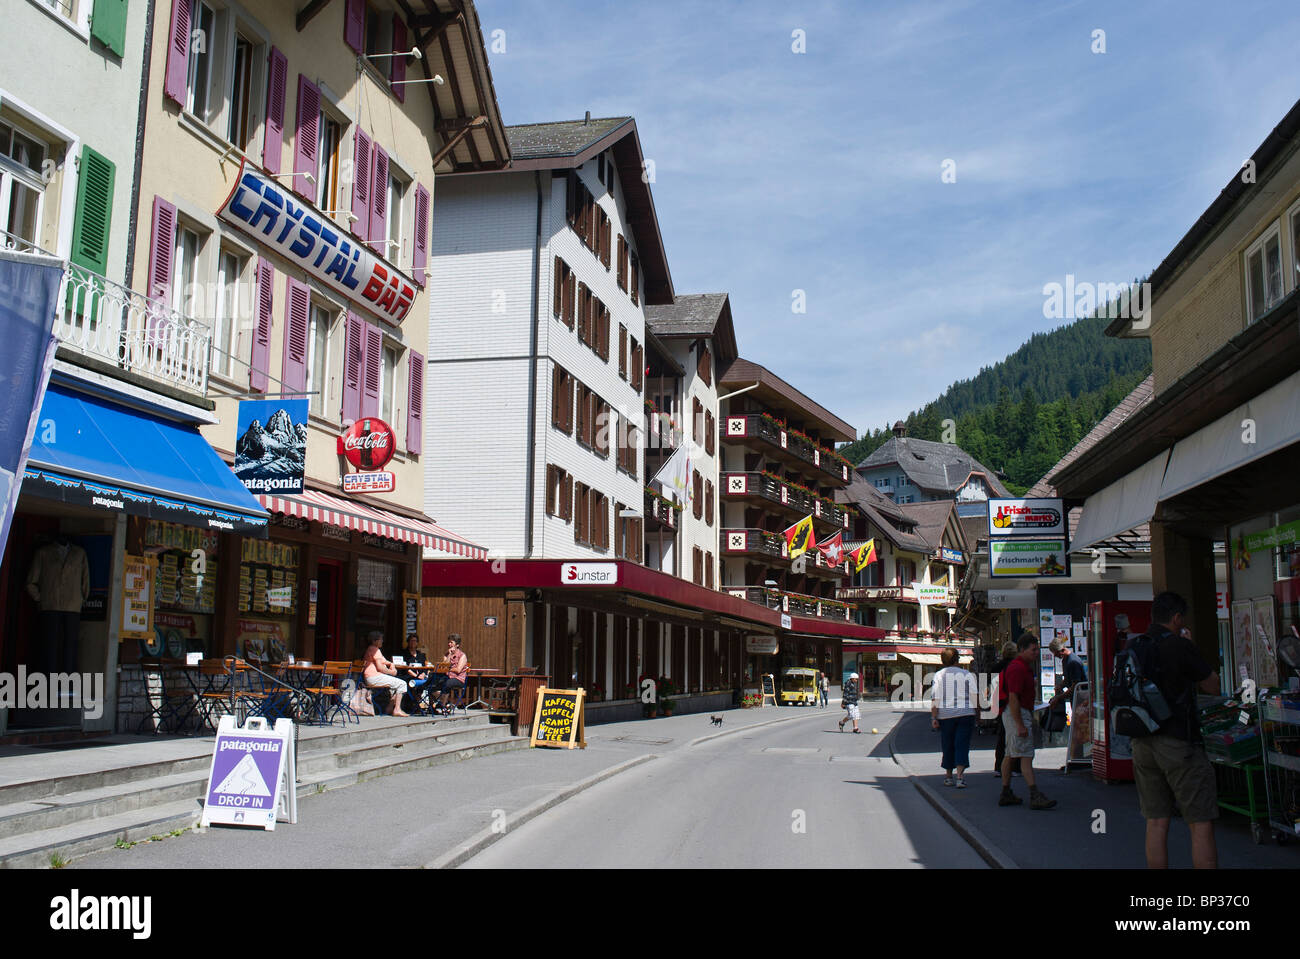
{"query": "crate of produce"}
pixel 1233 747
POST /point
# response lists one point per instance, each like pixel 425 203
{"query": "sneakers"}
pixel 1008 798
pixel 947 781
pixel 961 782
pixel 1038 801
pixel 841 725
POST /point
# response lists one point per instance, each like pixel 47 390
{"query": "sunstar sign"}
pixel 303 236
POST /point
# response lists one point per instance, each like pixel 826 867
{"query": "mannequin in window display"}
pixel 59 582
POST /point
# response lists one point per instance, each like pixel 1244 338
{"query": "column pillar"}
pixel 1184 564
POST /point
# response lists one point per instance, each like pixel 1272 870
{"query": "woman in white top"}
pixel 954 699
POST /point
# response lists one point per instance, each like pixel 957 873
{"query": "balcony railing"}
pixel 796 604
pixel 659 510
pixel 754 541
pixel 661 432
pixel 737 429
pixel 796 501
pixel 107 321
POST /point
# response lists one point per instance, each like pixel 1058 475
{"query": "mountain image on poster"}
pixel 244 780
pixel 270 454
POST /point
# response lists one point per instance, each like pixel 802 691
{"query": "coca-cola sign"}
pixel 368 444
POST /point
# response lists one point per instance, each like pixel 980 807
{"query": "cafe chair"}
pixel 214 700
pixel 326 700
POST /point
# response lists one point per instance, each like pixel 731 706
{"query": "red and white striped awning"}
pixel 324 508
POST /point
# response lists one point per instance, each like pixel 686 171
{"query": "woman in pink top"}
pixel 379 673
pixel 457 670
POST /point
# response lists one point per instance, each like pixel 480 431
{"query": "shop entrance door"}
pixel 329 611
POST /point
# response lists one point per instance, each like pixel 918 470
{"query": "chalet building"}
pixel 699 338
pixel 920 544
pixel 910 470
pixel 1214 455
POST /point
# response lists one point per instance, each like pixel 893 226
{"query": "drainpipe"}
pixel 532 376
pixel 134 214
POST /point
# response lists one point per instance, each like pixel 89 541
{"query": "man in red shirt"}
pixel 1018 721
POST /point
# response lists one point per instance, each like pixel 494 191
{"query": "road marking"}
pixel 791 749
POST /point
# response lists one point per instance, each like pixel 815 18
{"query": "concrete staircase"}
pixel 134 795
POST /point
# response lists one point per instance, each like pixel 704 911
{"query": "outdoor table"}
pixel 478 674
pixel 435 677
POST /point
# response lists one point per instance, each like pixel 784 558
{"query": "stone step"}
pixel 69 840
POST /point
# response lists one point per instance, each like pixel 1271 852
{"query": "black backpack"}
pixel 1137 706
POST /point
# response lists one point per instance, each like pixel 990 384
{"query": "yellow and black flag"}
pixel 864 555
pixel 800 538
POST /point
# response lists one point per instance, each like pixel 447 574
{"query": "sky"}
pixel 823 171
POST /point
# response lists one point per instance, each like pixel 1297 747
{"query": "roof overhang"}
pixel 777 394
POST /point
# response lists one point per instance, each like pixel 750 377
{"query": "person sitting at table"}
pixel 419 679
pixel 457 670
pixel 379 673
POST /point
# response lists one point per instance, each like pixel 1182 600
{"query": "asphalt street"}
pixel 799 794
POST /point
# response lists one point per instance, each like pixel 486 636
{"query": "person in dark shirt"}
pixel 1170 767
pixel 849 700
pixel 1075 673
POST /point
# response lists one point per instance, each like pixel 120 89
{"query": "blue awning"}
pixel 96 453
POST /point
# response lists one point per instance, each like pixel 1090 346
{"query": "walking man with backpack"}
pixel 1018 720
pixel 1157 707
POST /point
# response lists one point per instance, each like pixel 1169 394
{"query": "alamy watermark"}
pixel 1080 299
pixel 84 691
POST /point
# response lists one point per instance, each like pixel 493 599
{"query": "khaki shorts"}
pixel 1172 774
pixel 1019 747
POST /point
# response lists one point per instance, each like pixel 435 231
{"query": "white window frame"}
pixel 224 362
pixel 332 313
pixel 229 19
pixel 183 227
pixel 387 383
pixel 12 171
pixel 1271 232
pixel 396 243
pixel 78 21
pixel 1291 222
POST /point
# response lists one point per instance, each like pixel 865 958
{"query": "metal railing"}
pixel 106 320
pixel 798 604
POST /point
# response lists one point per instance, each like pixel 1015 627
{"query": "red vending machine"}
pixel 1111 759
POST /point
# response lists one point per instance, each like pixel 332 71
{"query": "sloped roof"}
pixel 697 315
pixel 882 513
pixel 933 467
pixel 1141 395
pixel 931 519
pixel 563 138
pixel 779 394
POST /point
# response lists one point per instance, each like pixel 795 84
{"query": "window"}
pixel 708 570
pixel 697 556
pixel 902 481
pixel 562 399
pixel 318 360
pixel 704 369
pixel 634 278
pixel 622 351
pixel 239 129
pixel 22 187
pixel 330 135
pixel 559 493
pixel 697 421
pixel 387 384
pixel 377 38
pixel 233 305
pixel 199 82
pixel 882 483
pixel 606 425
pixel 710 432
pixel 582 430
pixel 396 190
pixel 1295 246
pixel 697 498
pixel 564 294
pixel 708 502
pixel 638 365
pixel 185 289
pixel 581 513
pixel 627 450
pixel 599 521
pixel 1264 274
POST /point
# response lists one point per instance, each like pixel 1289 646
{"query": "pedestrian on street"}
pixel 1075 673
pixel 1008 654
pixel 952 712
pixel 1170 767
pixel 1018 718
pixel 849 700
pixel 824 685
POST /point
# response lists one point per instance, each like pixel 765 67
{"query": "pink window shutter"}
pixel 353 357
pixel 277 81
pixel 415 404
pixel 305 146
pixel 361 149
pixel 420 241
pixel 354 24
pixel 373 364
pixel 378 235
pixel 296 331
pixel 397 64
pixel 162 252
pixel 178 53
pixel 260 360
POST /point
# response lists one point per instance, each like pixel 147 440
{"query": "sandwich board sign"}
pixel 251 779
pixel 558 721
pixel 769 689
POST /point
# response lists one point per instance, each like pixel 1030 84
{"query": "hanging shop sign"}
pixel 381 482
pixel 1027 517
pixel 559 721
pixel 760 645
pixel 951 555
pixel 271 452
pixel 1028 558
pixel 310 240
pixel 930 595
pixel 368 444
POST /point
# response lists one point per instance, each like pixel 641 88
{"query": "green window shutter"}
pixel 90 226
pixel 108 24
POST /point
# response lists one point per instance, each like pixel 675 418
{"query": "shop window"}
pixel 184 599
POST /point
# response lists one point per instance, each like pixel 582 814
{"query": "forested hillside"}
pixel 1022 414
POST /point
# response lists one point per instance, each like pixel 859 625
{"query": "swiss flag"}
pixel 833 549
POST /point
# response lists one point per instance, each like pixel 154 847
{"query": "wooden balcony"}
pixel 764 489
pixel 764 433
pixel 660 514
pixel 796 604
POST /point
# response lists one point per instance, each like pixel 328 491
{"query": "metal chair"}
pixel 331 684
pixel 214 698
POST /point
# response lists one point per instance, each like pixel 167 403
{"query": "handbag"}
pixel 1052 720
pixel 361 703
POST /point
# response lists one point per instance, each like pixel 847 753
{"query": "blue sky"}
pixel 821 171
